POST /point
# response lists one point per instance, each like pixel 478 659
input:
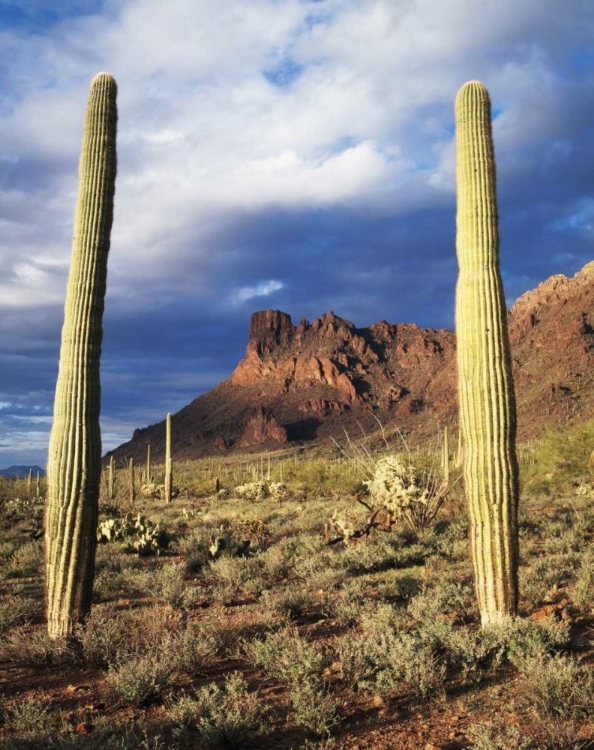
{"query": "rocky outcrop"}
pixel 314 380
pixel 260 428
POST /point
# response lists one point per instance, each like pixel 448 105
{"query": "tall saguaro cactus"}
pixel 168 463
pixel 74 461
pixel 485 385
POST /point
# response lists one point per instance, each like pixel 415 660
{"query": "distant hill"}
pixel 18 472
pixel 310 382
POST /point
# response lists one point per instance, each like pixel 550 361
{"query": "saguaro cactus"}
pixel 132 482
pixel 111 479
pixel 74 461
pixel 485 386
pixel 168 463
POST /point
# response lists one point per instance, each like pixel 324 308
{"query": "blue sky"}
pixel 285 154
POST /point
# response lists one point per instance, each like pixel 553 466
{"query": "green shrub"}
pixel 560 458
pixel 17 611
pixel 31 718
pixel 557 687
pixel 140 680
pixel 498 736
pixel 34 647
pixel 104 637
pixel 292 660
pixel 193 648
pixel 291 601
pixel 224 717
pixel 172 585
pixel 26 561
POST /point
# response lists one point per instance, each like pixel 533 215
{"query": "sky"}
pixel 287 154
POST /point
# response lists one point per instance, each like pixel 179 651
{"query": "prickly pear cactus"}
pixel 485 386
pixel 74 461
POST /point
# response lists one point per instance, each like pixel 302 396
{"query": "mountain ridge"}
pixel 311 381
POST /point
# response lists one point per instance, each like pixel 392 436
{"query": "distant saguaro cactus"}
pixel 74 461
pixel 111 479
pixel 485 385
pixel 132 482
pixel 168 465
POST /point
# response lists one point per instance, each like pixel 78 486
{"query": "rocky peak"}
pixel 548 304
pixel 269 330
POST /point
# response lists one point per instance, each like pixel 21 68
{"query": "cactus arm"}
pixel 485 386
pixel 74 460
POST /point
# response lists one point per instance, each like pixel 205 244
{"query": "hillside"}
pixel 312 381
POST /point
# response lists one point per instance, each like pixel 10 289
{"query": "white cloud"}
pixel 204 135
pixel 263 289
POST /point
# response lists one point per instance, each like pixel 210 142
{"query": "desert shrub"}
pixel 385 660
pixel 582 590
pixel 475 650
pixel 498 736
pixel 346 606
pixel 172 585
pixel 140 679
pixel 223 716
pixel 290 601
pixel 104 637
pixel 395 585
pixel 560 458
pixel 556 686
pixel 31 718
pixel 34 647
pixel 130 582
pixel 228 576
pixel 25 561
pixel 446 596
pixel 295 662
pixel 194 548
pixel 326 579
pixel 17 611
pixel 192 648
pixel 546 576
pixel 558 691
pixel 110 559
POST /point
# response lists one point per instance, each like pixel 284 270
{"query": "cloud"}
pixel 263 289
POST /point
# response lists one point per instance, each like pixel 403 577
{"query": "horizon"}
pixel 294 155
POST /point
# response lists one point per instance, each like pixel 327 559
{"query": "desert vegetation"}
pixel 241 626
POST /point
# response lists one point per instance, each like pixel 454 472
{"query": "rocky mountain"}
pixel 312 381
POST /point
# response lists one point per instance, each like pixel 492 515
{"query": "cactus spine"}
pixel 74 460
pixel 485 385
pixel 168 471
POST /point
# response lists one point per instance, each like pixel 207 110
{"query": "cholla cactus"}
pixel 252 491
pixel 278 491
pixel 411 494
